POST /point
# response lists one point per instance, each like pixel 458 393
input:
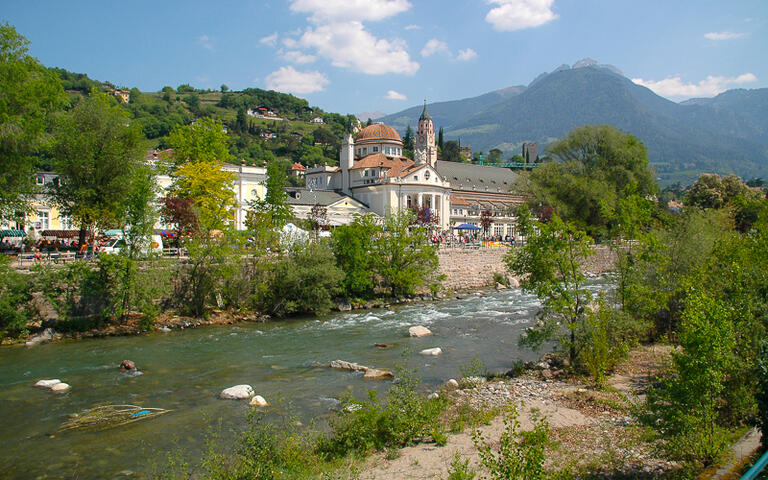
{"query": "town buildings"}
pixel 373 171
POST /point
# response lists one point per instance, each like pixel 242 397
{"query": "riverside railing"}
pixel 758 467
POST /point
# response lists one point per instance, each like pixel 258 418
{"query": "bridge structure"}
pixel 511 165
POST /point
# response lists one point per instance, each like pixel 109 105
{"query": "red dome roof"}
pixel 378 132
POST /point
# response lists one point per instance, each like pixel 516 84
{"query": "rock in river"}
pixel 432 351
pixel 258 401
pixel 43 337
pixel 238 392
pixel 375 374
pixel 127 365
pixel 342 365
pixel 419 331
pixel 47 383
pixel 60 387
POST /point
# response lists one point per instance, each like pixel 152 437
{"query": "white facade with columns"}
pixel 373 171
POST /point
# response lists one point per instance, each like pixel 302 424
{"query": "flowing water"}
pixel 184 371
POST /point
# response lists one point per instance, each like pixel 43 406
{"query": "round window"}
pixel 426 175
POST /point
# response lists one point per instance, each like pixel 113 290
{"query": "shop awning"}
pixel 114 232
pixel 466 226
pixel 12 233
pixel 60 233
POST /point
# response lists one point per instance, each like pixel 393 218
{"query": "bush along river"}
pixel 185 371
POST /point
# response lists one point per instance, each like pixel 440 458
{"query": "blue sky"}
pixel 351 56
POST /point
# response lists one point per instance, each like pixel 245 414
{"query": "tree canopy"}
pixel 593 167
pixel 29 93
pixel 96 153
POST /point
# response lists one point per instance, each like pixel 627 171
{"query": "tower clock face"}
pixel 421 139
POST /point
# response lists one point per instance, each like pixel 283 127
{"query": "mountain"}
pixel 728 133
pixel 363 116
pixel 447 114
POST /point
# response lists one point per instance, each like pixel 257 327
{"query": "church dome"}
pixel 378 132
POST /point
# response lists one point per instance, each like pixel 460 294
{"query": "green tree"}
pixel 267 217
pixel 689 405
pixel 352 247
pixel 494 155
pixel 403 256
pixel 30 94
pixel 139 216
pixel 96 154
pixel 713 191
pixel 595 165
pixel 549 264
pixel 440 138
pixel 224 88
pixel 199 153
pixel 203 141
pixel 451 151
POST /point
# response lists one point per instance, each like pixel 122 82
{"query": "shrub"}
pixel 762 393
pixel 459 470
pixel 14 295
pixel 520 455
pixel 368 425
pixel 305 280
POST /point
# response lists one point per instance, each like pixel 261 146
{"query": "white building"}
pixel 373 171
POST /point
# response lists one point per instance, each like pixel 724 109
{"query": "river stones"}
pixel 54 385
pixel 452 384
pixel 352 367
pixel 419 331
pixel 238 392
pixel 47 383
pixel 127 365
pixel 45 336
pixel 60 387
pixel 376 374
pixel 368 373
pixel 431 351
pixel 258 401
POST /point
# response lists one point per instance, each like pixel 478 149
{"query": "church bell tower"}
pixel 425 150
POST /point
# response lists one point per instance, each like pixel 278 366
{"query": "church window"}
pixel 415 177
pixel 375 149
pixel 426 175
pixel 365 174
pixel 365 150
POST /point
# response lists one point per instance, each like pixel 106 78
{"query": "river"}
pixel 184 371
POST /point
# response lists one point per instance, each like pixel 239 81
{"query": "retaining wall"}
pixel 467 268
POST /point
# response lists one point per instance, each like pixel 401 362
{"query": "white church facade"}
pixel 373 170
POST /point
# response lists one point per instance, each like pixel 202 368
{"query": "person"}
pixel 84 250
pixel 38 256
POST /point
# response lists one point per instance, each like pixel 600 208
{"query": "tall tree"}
pixel 199 153
pixel 268 216
pixel 96 153
pixel 29 93
pixel 440 138
pixel 594 166
pixel 403 256
pixel 549 263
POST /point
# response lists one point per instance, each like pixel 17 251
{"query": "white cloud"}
pixel 300 58
pixel 205 42
pixel 434 46
pixel 288 79
pixel 709 87
pixel 270 40
pixel 350 45
pixel 413 27
pixel 722 35
pixel 466 54
pixel 322 11
pixel 520 14
pixel 393 95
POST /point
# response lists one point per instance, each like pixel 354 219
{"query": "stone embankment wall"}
pixel 466 269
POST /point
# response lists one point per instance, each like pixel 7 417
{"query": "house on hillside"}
pixel 298 170
pixel 318 120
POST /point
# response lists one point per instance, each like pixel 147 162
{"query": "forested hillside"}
pixel 288 133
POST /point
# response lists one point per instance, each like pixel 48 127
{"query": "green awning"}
pixel 114 232
pixel 12 233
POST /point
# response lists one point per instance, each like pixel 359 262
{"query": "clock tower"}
pixel 424 149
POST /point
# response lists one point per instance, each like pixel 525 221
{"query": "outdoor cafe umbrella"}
pixel 466 226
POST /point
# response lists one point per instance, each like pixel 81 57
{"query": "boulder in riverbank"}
pixel 431 351
pixel 45 336
pixel 258 401
pixel 127 365
pixel 419 331
pixel 238 392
